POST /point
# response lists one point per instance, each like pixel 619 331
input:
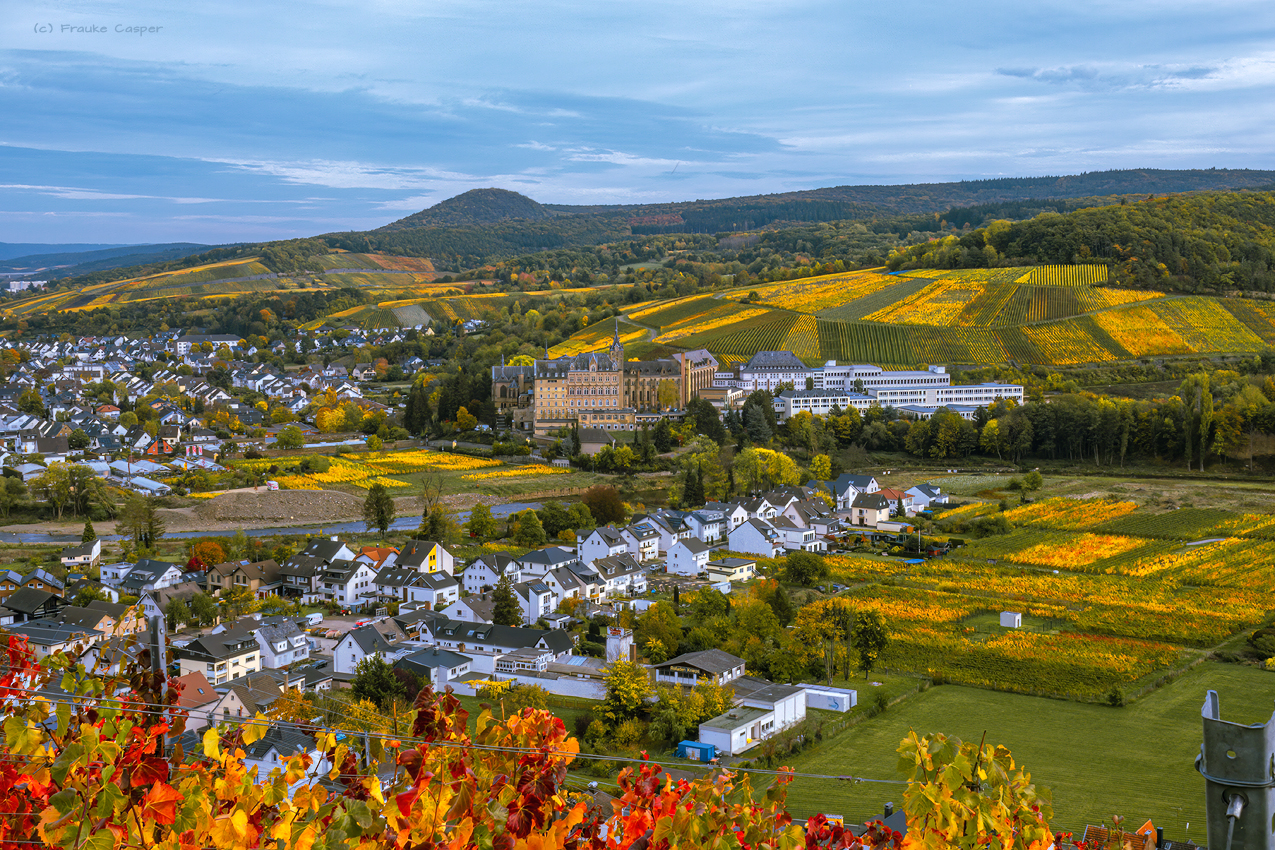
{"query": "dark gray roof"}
pixel 28 600
pixel 218 647
pixel 370 641
pixel 776 360
pixel 708 660
pixel 610 535
pixel 617 565
pixel 283 738
pixel 873 501
pixel 49 632
pixel 550 556
pixel 325 550
pixel 427 660
pixel 397 576
pixel 693 544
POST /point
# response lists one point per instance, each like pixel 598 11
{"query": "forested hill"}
pixel 475 207
pixel 482 207
pixel 1218 241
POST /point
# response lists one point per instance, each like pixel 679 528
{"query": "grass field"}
pixel 1098 761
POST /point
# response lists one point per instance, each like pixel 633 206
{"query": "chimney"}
pixel 889 809
pixel 1159 836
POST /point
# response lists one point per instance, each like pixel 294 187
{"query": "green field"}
pixel 1098 761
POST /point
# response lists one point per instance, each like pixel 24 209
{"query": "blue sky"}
pixel 235 121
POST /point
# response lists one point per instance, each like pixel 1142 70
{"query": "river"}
pixel 337 528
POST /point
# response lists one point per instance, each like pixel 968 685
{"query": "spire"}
pixel 616 340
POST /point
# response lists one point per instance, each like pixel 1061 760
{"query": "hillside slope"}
pixel 475 207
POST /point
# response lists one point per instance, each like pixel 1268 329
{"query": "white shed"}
pixel 830 699
pixel 786 702
pixel 737 730
pixel 1011 619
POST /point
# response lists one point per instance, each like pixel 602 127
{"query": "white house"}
pixel 621 576
pixel 281 643
pixel 756 537
pixel 85 555
pixel 733 513
pixel 221 658
pixel 687 557
pixel 438 590
pixel 486 570
pixel 644 538
pixel 707 526
pixel 358 644
pixel 349 583
pixel 925 495
pixel 848 485
pixel 604 542
pixel 438 666
pixel 536 600
pixel 795 537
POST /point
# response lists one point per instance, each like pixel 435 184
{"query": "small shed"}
pixel 696 751
pixel 829 698
pixel 1011 619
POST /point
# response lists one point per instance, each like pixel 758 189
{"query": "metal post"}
pixel 1238 765
pixel 158 645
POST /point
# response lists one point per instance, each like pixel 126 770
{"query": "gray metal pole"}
pixel 1238 766
pixel 158 644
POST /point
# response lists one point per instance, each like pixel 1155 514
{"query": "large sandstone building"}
pixel 599 389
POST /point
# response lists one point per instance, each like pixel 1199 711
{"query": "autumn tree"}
pixel 627 687
pixel 604 503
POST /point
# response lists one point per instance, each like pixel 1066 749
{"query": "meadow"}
pixel 1097 760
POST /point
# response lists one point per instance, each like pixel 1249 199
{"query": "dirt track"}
pixel 249 508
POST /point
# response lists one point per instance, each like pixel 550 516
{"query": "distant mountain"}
pixel 9 250
pixel 475 207
pixel 70 263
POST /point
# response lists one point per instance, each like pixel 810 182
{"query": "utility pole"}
pixel 1238 766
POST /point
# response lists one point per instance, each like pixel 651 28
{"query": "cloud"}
pixel 1113 77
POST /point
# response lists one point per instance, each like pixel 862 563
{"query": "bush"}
pixel 1115 696
pixel 880 703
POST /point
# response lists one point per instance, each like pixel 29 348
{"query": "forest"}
pixel 1217 241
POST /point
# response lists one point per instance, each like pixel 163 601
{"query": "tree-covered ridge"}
pixel 475 207
pixel 1215 241
pixel 933 197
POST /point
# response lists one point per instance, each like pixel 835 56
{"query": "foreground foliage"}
pixel 86 767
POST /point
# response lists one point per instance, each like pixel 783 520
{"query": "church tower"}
pixel 617 347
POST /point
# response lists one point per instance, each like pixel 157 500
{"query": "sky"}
pixel 153 121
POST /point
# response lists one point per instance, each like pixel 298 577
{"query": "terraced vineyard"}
pixel 230 278
pixel 1056 316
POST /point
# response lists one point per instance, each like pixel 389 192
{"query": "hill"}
pixel 68 263
pixel 375 274
pixel 9 250
pixel 475 207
